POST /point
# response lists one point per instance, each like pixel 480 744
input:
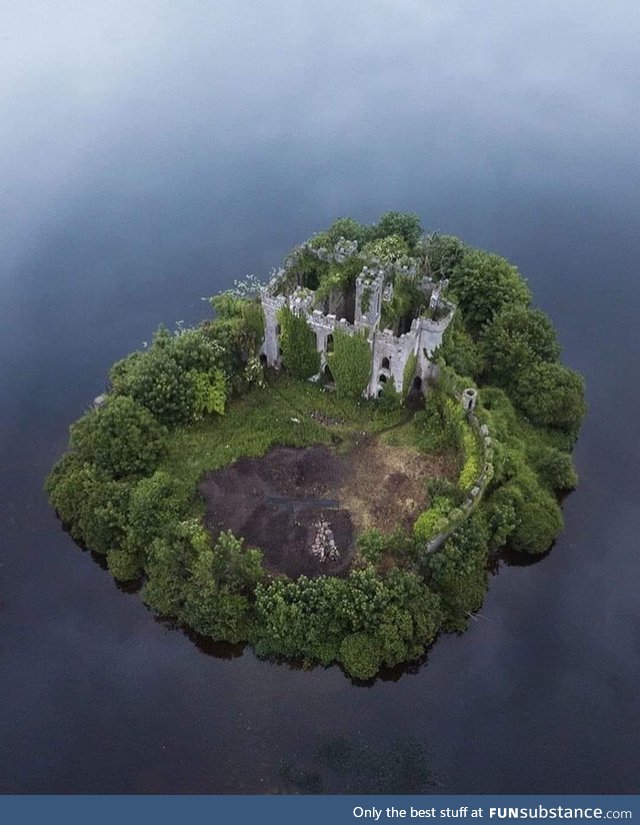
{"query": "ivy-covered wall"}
pixel 350 363
pixel 299 353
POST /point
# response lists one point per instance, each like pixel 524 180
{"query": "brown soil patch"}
pixel 293 501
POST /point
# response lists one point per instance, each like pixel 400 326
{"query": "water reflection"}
pixel 344 766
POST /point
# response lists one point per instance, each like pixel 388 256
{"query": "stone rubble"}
pixel 323 545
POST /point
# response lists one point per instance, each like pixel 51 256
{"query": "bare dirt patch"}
pixel 303 507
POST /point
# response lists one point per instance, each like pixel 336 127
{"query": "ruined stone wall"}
pixel 460 515
pixel 389 353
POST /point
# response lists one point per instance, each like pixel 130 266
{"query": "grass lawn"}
pixel 284 412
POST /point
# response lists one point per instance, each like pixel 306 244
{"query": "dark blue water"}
pixel 149 154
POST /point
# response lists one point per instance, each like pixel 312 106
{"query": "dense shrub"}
pixel 460 351
pixel 407 301
pixel 391 248
pixel 458 572
pixel 360 655
pixel 554 467
pixel 472 454
pixel 313 617
pixel 404 224
pixel 484 285
pixel 210 392
pixel 551 395
pixel 157 503
pixel 538 517
pixel 514 341
pixel 122 438
pixel 89 502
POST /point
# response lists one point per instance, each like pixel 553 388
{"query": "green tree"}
pixel 361 655
pixel 122 438
pixel 404 224
pixel 515 340
pixel 234 565
pixel 348 228
pixel 458 572
pixel 443 253
pixel 161 384
pixel 460 351
pixel 554 467
pixel 213 609
pixel 157 504
pixel 485 284
pixel 169 566
pixel 90 502
pixel 551 395
pixel 298 342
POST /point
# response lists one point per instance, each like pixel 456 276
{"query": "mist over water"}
pixel 149 155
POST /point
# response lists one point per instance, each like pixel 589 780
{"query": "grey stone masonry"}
pixel 389 353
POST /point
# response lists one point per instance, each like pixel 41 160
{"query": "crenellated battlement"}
pixel 390 353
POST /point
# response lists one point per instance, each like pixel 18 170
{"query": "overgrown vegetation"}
pixel 197 400
pixel 350 364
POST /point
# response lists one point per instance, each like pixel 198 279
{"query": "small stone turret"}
pixel 469 399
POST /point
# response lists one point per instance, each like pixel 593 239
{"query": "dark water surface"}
pixel 149 154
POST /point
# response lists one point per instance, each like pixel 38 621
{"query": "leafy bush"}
pixel 538 517
pixel 235 566
pixel 159 383
pixel 390 248
pixel 553 466
pixel 89 502
pixel 157 503
pixel 515 340
pixel 350 363
pixel 502 508
pixel 360 655
pixel 407 301
pixel 210 393
pixel 404 224
pixel 458 572
pixel 348 228
pixel 552 395
pixel 472 457
pixel 433 521
pixel 211 607
pixel 169 564
pixel 459 350
pixel 122 438
pixel 299 353
pixel 390 399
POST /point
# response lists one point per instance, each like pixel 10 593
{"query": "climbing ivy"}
pixel 350 363
pixel 408 373
pixel 299 354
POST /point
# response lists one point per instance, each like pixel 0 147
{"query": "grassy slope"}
pixel 264 418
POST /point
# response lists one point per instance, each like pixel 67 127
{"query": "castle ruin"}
pixel 390 352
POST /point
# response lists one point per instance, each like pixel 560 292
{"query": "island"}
pixel 327 467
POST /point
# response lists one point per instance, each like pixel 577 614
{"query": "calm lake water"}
pixel 149 154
